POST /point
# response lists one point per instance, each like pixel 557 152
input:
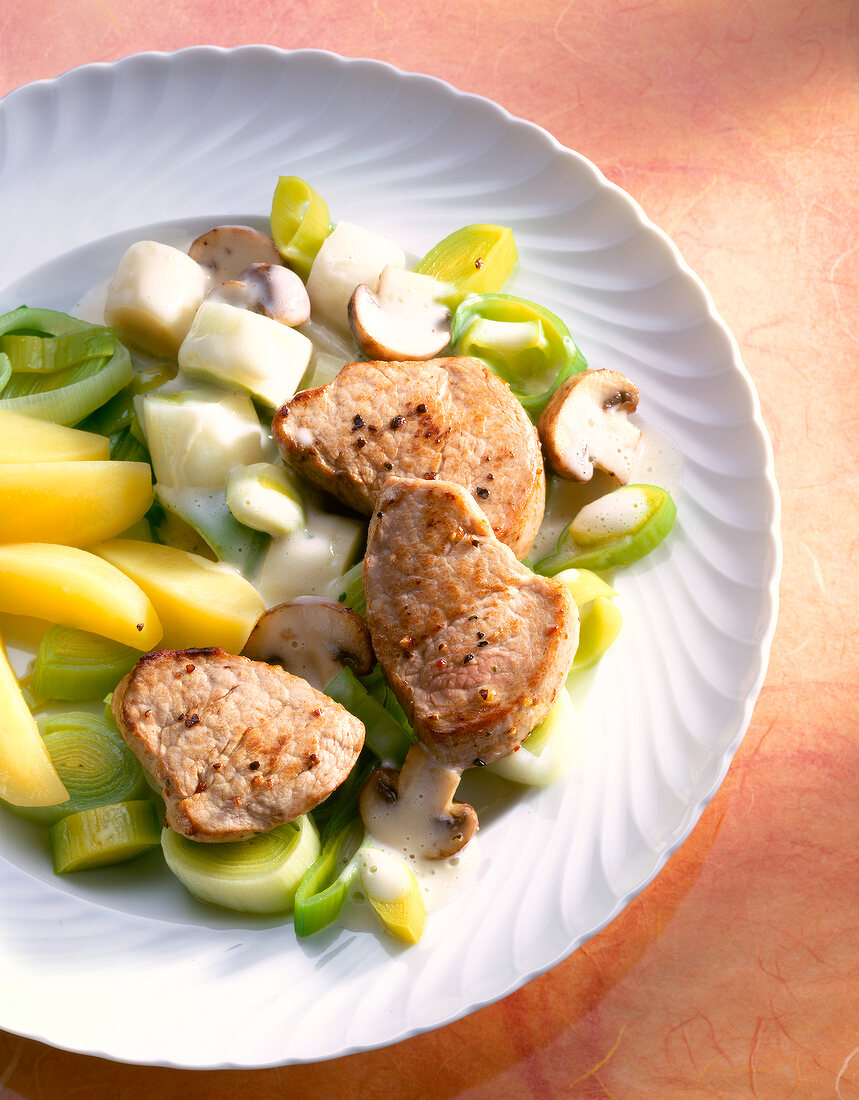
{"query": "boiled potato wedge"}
pixel 200 603
pixel 72 503
pixel 28 437
pixel 27 775
pixel 63 584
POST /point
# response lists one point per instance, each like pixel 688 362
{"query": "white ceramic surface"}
pixel 161 144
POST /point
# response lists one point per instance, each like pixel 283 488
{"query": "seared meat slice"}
pixel 444 419
pixel 238 746
pixel 474 645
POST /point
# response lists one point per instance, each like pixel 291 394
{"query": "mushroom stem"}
pixel 413 809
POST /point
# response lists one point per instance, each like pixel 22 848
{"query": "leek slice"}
pixel 393 891
pixel 600 626
pixel 93 762
pixel 259 875
pixel 599 618
pixel 207 512
pixel 299 223
pixel 325 887
pixel 523 343
pixel 384 735
pixel 75 664
pixel 66 372
pixel 351 589
pixel 616 529
pixel 547 753
pixel 476 259
pixel 104 835
pixel 266 498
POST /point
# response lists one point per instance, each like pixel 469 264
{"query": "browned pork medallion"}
pixel 237 746
pixel 475 646
pixel 444 419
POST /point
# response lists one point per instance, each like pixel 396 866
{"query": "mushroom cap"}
pixel 270 289
pixel 313 638
pixel 227 250
pixel 585 426
pixel 403 319
pixel 414 809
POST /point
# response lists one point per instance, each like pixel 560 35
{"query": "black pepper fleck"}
pixel 361 443
pixel 479 762
pixel 396 423
pixel 389 465
pixel 482 644
pixel 254 764
pixel 357 422
pixel 421 408
pixel 192 720
pixel 481 492
pixel 468 657
pixel 471 618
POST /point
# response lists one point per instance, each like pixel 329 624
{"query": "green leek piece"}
pixel 616 529
pixel 49 354
pixel 149 376
pixel 547 753
pixel 351 586
pixel 65 373
pixel 393 891
pixel 585 586
pixel 299 223
pixel 74 664
pixel 600 626
pixel 258 875
pixel 266 498
pixel 476 259
pixel 599 617
pixel 377 686
pixel 94 763
pixel 385 736
pixel 104 835
pixel 126 447
pixel 523 343
pixel 325 887
pixel 206 511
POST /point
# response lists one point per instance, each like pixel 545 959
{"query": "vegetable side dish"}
pixel 280 508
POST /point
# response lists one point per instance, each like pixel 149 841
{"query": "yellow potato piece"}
pixel 199 602
pixel 65 585
pixel 27 774
pixel 73 503
pixel 42 441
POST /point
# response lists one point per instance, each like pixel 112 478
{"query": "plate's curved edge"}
pixel 772 588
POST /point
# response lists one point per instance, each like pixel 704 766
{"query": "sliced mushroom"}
pixel 313 638
pixel 414 809
pixel 227 250
pixel 403 319
pixel 269 289
pixel 585 425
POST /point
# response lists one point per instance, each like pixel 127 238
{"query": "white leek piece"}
pixel 349 257
pixel 235 347
pixel 259 875
pixel 153 297
pixel 546 755
pixel 394 893
pixel 265 497
pixel 197 435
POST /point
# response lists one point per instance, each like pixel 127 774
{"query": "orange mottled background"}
pixel 735 124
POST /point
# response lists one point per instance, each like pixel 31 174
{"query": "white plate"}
pixel 120 963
